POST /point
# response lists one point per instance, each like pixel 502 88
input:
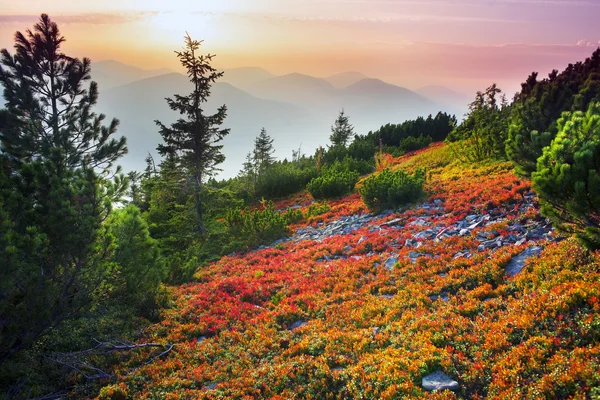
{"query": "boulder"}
pixel 439 381
pixel 518 262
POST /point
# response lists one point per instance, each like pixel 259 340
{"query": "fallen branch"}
pixel 75 362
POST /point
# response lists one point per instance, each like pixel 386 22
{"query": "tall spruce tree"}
pixel 55 190
pixel 194 137
pixel 341 131
pixel 263 152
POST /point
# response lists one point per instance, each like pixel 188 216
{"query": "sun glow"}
pixel 171 26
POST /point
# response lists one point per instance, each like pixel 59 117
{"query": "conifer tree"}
pixel 341 131
pixel 54 188
pixel 195 136
pixel 263 152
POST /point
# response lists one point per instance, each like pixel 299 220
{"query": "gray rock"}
pixel 209 386
pixel 463 232
pixel 376 330
pixel 443 296
pixel 392 222
pixel 518 262
pixel 386 296
pixel 439 381
pixel 296 325
pixel 362 239
pixel 347 249
pixel 390 262
pixel 201 339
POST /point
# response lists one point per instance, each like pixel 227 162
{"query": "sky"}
pixel 463 44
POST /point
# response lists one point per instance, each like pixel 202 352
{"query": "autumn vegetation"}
pixel 170 284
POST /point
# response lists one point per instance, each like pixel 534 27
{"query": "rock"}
pixel 463 232
pixel 376 330
pixel 362 239
pixel 471 217
pixel 386 296
pixel 209 386
pixel 439 381
pixel 393 222
pixel 442 295
pixel 518 262
pixel 390 262
pixel 347 249
pixel 419 222
pixel 296 325
pixel 427 234
pixel 481 247
pixel 201 339
pixel 437 202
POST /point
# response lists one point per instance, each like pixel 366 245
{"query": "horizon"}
pixel 460 44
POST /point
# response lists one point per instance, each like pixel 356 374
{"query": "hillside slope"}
pixel 365 306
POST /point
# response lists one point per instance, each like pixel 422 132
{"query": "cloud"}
pixel 86 18
pixel 587 43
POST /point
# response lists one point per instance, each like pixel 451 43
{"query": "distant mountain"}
pixel 138 104
pixel 345 79
pixel 294 88
pixel 245 77
pixel 443 95
pixel 376 87
pixel 296 109
pixel 110 74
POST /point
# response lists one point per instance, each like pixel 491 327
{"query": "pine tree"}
pixel 567 178
pixel 341 131
pixel 194 137
pixel 248 172
pixel 54 188
pixel 263 152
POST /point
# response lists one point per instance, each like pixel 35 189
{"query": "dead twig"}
pixel 75 361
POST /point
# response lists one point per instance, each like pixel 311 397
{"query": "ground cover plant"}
pixel 335 318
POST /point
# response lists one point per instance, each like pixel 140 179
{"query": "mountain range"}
pixel 296 109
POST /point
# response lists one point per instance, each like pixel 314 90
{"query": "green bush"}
pixel 284 179
pixel 362 149
pixel 414 143
pixel 317 209
pixel 350 164
pixel 567 179
pixel 390 189
pixel 251 228
pixel 333 184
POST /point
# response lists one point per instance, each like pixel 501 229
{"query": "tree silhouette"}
pixel 194 136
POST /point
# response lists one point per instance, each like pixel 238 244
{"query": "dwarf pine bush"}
pixel 567 179
pixel 390 189
pixel 333 184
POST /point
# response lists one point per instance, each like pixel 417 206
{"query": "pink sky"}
pixel 463 44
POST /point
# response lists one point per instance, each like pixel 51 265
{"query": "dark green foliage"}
pixel 333 184
pixel 317 209
pixel 438 128
pixel 349 164
pixel 260 226
pixel 362 148
pixel 285 178
pixel 194 137
pixel 390 189
pixel 54 190
pixel 414 143
pixel 540 104
pixel 567 179
pixel 263 152
pixel 138 268
pixel 341 131
pixel 485 129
